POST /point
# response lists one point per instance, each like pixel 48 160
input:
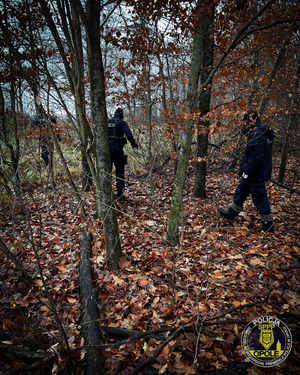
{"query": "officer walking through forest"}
pixel 118 133
pixel 255 170
pixel 40 121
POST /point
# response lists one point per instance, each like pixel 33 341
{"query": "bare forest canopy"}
pixel 156 283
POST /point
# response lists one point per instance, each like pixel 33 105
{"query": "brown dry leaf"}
pixel 205 339
pixel 218 275
pixel 230 338
pixel 236 329
pixel 123 263
pixel 203 309
pixel 8 323
pixel 223 358
pixel 163 369
pixel 256 262
pixel 44 308
pixel 156 299
pixel 62 269
pixel 251 273
pixel 184 369
pixel 144 282
pixel 71 299
pixel 117 280
pixel 218 350
pixel 237 256
pixel 165 351
pixel 240 265
pixel 38 282
pixel 267 308
pixel 17 364
pixel 254 371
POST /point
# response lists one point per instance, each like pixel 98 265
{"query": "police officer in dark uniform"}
pixel 118 134
pixel 40 121
pixel 255 170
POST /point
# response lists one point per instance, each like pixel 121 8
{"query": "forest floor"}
pixel 221 277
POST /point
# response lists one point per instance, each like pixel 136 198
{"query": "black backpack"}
pixel 112 129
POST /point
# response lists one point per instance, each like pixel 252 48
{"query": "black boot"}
pixel 267 226
pixel 120 195
pixel 230 214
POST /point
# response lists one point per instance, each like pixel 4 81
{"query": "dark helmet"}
pixel 251 115
pixel 119 113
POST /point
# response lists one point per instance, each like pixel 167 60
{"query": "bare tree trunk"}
pixel 149 110
pixel 105 205
pixel 50 150
pixel 207 58
pixel 293 119
pixel 13 151
pixel 173 107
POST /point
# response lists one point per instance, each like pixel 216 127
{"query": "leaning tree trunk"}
pixel 10 255
pixel 66 168
pixel 275 67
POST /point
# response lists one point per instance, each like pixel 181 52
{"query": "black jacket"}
pixel 257 158
pixel 118 132
pixel 41 122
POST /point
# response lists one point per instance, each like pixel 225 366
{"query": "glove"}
pixel 244 176
pixel 133 142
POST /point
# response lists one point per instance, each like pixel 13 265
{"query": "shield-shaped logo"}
pixel 266 338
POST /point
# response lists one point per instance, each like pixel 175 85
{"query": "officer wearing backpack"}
pixel 118 134
pixel 255 170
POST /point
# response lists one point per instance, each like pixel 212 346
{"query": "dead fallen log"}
pixel 24 354
pixel 41 360
pixel 88 295
pixel 122 333
pixel 31 342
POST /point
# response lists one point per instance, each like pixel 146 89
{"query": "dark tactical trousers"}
pixel 259 196
pixel 117 157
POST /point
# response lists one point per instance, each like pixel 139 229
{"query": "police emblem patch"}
pixel 266 341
